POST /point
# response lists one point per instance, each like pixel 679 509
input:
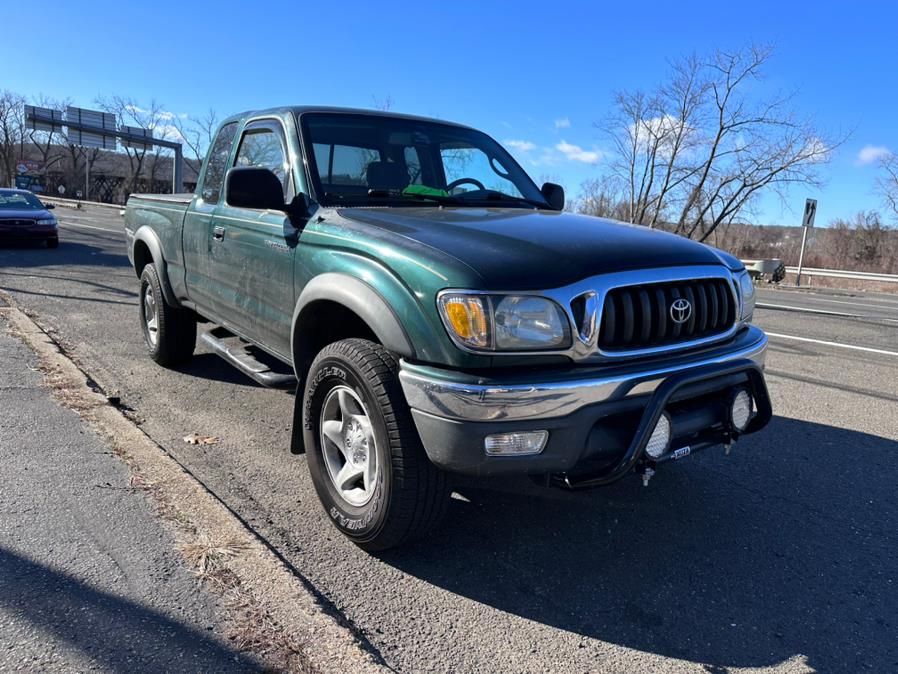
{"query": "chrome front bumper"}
pixel 450 395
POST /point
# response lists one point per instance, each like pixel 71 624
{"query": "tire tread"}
pixel 421 489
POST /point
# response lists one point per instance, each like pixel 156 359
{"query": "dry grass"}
pixel 209 556
pixel 255 631
pixel 251 628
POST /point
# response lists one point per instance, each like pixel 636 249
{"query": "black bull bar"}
pixel 655 408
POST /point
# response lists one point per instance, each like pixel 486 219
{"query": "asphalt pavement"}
pixel 780 557
pixel 89 579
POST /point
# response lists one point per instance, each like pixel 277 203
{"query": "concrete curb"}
pixel 327 645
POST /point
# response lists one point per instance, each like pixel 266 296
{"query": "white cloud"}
pixel 521 145
pixel 562 123
pixel 818 151
pixel 577 153
pixel 163 115
pixel 168 132
pixel 870 154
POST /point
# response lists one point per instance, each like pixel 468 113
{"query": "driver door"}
pixel 253 250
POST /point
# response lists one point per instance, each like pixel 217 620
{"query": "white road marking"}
pixel 102 229
pixel 788 307
pixel 838 344
pixel 886 302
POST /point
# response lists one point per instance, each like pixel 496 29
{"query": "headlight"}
pixel 747 292
pixel 505 322
pixel 47 222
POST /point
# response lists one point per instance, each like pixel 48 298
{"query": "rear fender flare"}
pixel 148 237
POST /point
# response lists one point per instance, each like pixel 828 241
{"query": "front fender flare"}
pixel 361 299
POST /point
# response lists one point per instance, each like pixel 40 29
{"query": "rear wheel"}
pixel 365 458
pixel 170 332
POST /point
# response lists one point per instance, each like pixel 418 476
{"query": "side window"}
pixel 264 147
pixel 217 161
pixel 470 162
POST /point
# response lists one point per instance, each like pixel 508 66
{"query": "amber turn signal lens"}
pixel 466 316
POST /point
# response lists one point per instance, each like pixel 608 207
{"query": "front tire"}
pixel 365 457
pixel 53 243
pixel 169 332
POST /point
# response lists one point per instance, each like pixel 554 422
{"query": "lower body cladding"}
pixel 585 428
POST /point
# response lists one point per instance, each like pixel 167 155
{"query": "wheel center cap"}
pixel 356 443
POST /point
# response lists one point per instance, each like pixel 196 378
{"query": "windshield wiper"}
pixel 493 195
pixel 417 196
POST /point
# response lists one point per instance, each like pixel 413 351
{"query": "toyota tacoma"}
pixel 438 313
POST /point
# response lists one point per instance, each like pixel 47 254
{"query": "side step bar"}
pixel 237 354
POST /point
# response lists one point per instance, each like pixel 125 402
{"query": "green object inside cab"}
pixel 425 190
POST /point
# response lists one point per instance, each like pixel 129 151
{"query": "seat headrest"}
pixel 385 175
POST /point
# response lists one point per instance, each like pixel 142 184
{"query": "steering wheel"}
pixel 461 181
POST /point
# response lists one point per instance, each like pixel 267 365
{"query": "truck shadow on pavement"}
pixel 116 633
pixel 786 549
pixel 69 253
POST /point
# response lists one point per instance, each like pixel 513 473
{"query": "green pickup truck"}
pixel 438 313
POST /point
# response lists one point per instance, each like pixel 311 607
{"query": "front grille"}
pixel 16 223
pixel 640 317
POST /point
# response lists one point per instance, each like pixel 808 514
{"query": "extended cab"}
pixel 440 314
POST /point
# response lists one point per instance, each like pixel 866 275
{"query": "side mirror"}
pixel 254 187
pixel 554 195
pixel 49 207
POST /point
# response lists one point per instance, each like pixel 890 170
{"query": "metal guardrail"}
pixel 775 271
pixel 75 203
pixel 838 273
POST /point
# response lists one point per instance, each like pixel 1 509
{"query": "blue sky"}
pixel 538 72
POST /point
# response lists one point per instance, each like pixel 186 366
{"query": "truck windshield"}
pixel 373 160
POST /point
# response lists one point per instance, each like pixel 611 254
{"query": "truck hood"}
pixel 513 249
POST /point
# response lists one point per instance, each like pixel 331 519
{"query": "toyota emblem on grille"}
pixel 680 310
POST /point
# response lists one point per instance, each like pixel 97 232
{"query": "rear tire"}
pixel 169 332
pixel 398 495
pixel 53 243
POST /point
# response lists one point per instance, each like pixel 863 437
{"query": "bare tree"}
pixel 128 112
pixel 887 184
pixel 196 134
pixel 48 144
pixel 603 198
pixel 12 135
pixel 698 151
pixel 384 103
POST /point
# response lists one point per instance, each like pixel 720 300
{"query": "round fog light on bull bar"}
pixel 515 444
pixel 740 410
pixel 660 438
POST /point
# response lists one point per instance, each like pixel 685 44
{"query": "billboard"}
pixel 138 131
pixel 43 119
pixel 97 122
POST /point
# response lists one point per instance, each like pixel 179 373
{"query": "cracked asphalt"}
pixel 780 557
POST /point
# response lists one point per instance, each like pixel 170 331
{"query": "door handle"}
pixel 218 233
